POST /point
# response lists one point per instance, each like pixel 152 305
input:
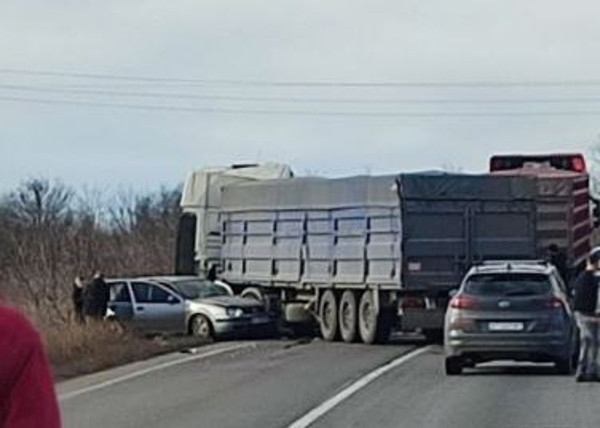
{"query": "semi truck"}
pixel 362 255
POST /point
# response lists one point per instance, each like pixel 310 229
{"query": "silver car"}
pixel 515 310
pixel 186 305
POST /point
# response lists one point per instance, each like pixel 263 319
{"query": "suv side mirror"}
pixel 453 292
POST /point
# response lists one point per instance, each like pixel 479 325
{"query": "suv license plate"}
pixel 506 326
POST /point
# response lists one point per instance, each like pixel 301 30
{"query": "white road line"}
pixel 136 374
pixel 329 404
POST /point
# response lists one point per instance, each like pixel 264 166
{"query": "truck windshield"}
pixel 507 284
pixel 199 289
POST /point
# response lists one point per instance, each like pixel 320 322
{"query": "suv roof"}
pixel 519 266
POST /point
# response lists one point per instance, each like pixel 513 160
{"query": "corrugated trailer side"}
pixel 333 243
pixel 312 232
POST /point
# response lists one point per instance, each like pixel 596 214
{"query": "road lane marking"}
pixel 139 373
pixel 317 412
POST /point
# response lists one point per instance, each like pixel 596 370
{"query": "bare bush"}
pixel 48 236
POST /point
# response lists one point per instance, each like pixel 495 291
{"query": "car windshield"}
pixel 199 289
pixel 507 284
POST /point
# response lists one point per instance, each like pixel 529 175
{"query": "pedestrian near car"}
pixel 96 297
pixel 27 396
pixel 77 299
pixel 586 311
pixel 559 259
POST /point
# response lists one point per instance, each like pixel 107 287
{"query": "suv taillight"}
pixel 554 303
pixel 463 302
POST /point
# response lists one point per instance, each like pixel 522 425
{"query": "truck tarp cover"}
pixel 311 193
pixel 466 187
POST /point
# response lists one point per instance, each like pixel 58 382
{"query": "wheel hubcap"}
pixel 366 315
pixel 202 328
pixel 327 315
pixel 346 316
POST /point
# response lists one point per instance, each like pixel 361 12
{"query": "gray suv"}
pixel 510 310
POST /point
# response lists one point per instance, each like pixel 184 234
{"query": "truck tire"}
pixel 453 366
pixel 385 322
pixel 253 293
pixel 348 316
pixel 367 318
pixel 328 316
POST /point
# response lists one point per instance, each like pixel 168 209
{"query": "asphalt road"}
pixel 276 383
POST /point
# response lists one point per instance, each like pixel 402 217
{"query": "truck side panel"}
pixel 443 238
pixel 312 232
pixel 450 222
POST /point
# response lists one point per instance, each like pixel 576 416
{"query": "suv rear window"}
pixel 508 284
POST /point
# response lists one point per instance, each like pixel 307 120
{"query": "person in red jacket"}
pixel 27 395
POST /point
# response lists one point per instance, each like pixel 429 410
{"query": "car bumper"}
pixel 495 347
pixel 244 326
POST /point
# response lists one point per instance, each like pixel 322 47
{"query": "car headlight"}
pixel 234 312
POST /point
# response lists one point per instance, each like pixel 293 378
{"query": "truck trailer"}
pixel 361 254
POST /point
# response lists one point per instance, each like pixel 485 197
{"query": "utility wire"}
pixel 309 100
pixel 314 113
pixel 291 83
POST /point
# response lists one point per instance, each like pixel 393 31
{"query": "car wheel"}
pixel 328 316
pixel 434 335
pixel 347 316
pixel 201 327
pixel 454 366
pixel 564 366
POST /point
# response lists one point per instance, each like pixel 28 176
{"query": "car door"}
pixel 121 303
pixel 157 309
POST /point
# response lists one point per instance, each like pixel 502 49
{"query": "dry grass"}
pixel 76 349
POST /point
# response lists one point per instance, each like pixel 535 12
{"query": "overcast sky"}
pixel 217 102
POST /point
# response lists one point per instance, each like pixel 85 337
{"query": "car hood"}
pixel 230 301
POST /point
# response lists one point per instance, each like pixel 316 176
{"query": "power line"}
pixel 204 97
pixel 331 83
pixel 233 111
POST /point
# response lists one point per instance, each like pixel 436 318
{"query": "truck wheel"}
pixel 347 316
pixel 253 293
pixel 328 316
pixel 367 318
pixel 434 335
pixel 385 321
pixel 453 366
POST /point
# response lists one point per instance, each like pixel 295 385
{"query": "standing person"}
pixel 27 396
pixel 96 297
pixel 559 259
pixel 585 306
pixel 212 273
pixel 77 299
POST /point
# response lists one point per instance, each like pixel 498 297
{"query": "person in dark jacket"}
pixel 77 299
pixel 559 259
pixel 96 297
pixel 585 306
pixel 212 273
